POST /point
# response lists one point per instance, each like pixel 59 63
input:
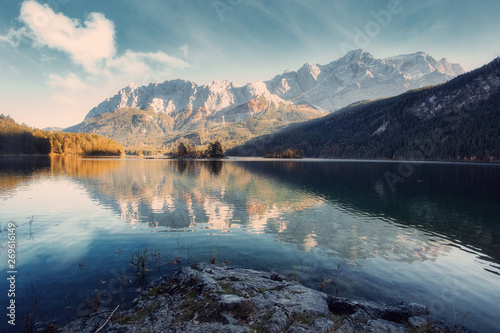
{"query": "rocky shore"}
pixel 210 298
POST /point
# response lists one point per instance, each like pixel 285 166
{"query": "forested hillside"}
pixel 145 129
pixel 459 120
pixel 21 139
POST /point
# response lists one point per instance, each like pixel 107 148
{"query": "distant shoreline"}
pixel 263 159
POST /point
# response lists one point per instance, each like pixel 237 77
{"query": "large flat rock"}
pixel 210 298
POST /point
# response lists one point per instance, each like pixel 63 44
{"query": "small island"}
pixel 213 151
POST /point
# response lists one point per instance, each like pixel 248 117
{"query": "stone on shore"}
pixel 210 298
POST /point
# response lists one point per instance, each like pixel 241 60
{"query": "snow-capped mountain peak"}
pixel 356 76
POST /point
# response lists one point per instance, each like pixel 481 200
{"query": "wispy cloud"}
pixel 70 82
pixel 13 36
pixel 185 50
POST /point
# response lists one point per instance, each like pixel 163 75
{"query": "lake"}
pixel 384 231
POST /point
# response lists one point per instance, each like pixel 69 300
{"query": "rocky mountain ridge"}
pixel 356 76
pixel 359 76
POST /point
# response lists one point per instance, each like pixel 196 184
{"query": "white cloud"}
pixel 135 62
pixel 46 58
pixel 71 82
pixel 143 67
pixel 88 44
pixel 163 58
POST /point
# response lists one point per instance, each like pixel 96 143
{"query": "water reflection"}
pixel 83 168
pixel 15 172
pixel 191 194
pixel 343 208
pixel 456 203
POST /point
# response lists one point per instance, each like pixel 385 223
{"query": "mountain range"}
pixel 162 114
pixel 458 120
pixel 356 76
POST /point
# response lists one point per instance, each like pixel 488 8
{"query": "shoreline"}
pixel 210 298
pixel 260 158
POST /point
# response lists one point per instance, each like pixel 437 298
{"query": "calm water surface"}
pixel 431 239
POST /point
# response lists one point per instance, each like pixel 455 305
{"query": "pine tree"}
pixel 181 150
pixel 215 150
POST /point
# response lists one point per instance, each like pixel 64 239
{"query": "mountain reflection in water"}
pixel 346 208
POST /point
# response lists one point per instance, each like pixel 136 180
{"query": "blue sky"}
pixel 60 58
